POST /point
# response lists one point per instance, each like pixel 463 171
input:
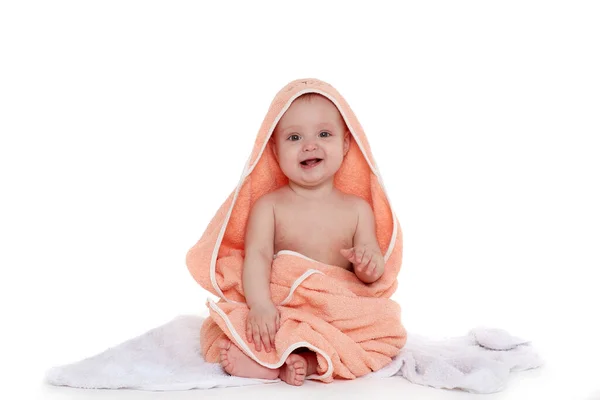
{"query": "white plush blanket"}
pixel 168 358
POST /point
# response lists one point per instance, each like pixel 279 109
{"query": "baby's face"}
pixel 310 141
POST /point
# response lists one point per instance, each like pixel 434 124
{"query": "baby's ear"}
pixel 346 142
pixel 274 148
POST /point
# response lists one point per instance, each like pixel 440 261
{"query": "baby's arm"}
pixel 366 254
pixel 263 317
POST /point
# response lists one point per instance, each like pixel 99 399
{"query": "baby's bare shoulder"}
pixel 263 204
pixel 268 201
pixel 355 201
pixel 275 196
pixel 359 206
pixel 281 195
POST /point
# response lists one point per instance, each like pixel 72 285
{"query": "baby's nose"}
pixel 310 146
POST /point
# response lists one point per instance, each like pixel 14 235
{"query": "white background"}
pixel 124 126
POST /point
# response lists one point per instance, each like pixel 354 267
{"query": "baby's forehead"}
pixel 305 99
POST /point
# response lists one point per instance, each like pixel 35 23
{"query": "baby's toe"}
pixel 223 355
pixel 226 366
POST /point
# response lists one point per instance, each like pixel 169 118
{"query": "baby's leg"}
pixel 236 363
pixel 297 367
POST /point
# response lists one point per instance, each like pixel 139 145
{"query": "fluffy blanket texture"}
pixel 169 358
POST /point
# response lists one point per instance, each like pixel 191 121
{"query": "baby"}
pixel 309 215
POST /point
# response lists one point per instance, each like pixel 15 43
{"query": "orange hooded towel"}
pixel 353 327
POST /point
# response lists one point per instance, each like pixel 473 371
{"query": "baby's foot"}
pixel 294 370
pixel 236 363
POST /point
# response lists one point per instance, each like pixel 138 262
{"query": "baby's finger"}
pixel 277 322
pixel 359 267
pixel 256 337
pixel 364 263
pixel 249 332
pixel 367 261
pixel 271 329
pixel 372 266
pixel 348 253
pixel 264 334
pixel 360 253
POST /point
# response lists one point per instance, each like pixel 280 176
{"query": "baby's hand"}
pixel 262 323
pixel 368 263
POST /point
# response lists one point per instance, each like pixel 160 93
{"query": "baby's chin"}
pixel 310 181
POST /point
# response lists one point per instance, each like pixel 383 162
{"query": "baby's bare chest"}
pixel 316 232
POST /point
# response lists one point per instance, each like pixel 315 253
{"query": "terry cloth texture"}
pixel 353 327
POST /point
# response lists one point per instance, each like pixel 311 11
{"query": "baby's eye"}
pixel 326 134
pixel 294 137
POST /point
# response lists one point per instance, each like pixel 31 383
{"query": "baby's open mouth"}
pixel 311 162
